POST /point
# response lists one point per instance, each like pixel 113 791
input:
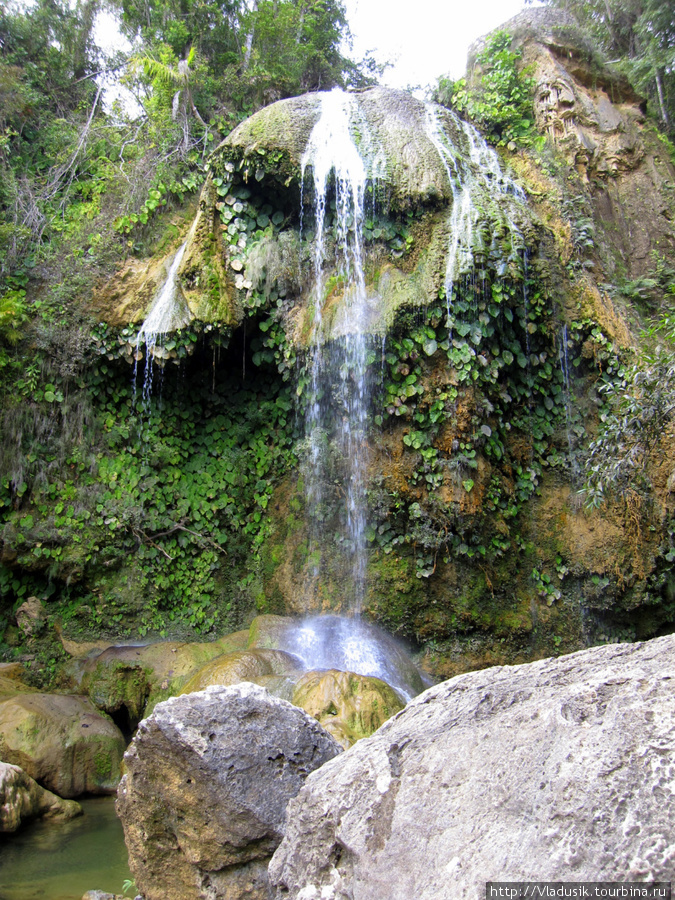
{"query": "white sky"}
pixel 425 38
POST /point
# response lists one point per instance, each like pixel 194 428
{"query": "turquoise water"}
pixel 61 861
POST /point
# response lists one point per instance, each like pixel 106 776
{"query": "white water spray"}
pixel 476 183
pixel 169 312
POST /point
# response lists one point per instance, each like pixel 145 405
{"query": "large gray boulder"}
pixel 557 770
pixel 209 776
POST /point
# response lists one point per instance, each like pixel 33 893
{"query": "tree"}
pixel 50 100
pixel 178 81
pixel 253 51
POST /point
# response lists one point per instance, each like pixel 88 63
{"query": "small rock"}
pixel 102 895
pixel 22 798
pixel 31 616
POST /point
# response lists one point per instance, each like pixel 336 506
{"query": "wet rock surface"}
pixel 61 741
pixel 559 769
pixel 22 799
pixel 130 679
pixel 245 665
pixel 208 779
pixel 348 706
pixel 391 119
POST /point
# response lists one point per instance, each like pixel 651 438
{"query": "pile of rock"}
pixel 556 770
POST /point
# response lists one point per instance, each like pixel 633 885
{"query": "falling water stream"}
pixel 339 391
pixel 343 158
pixel 481 184
pixel 169 312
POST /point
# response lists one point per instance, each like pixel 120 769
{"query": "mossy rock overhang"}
pixel 394 122
pixel 398 137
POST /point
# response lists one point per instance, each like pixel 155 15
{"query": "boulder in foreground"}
pixel 559 770
pixel 209 776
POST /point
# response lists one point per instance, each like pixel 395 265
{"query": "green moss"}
pixel 394 595
pixel 103 765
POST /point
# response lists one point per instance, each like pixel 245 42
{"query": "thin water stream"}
pixel 169 312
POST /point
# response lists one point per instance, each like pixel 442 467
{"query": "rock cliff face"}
pixel 557 770
pixel 596 121
pixel 486 382
pixel 203 802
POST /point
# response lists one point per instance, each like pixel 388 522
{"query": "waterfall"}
pixel 563 355
pixel 478 184
pixel 339 391
pixel 169 312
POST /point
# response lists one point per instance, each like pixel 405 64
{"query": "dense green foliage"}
pixel 639 36
pixel 178 483
pixel 70 168
pixel 500 100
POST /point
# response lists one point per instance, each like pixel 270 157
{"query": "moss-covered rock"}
pixel 244 665
pixel 22 799
pixel 63 742
pixel 127 681
pixel 390 126
pixel 348 706
pixel 12 680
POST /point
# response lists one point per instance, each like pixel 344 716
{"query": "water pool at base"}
pixel 63 860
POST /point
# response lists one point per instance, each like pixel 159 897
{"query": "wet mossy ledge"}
pixel 182 511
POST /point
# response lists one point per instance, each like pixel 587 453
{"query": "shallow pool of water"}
pixel 61 861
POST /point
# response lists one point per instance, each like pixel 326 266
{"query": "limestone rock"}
pixel 30 616
pixel 556 770
pixel 393 121
pixel 11 680
pixel 595 119
pixel 204 798
pixel 348 706
pixel 129 295
pixel 61 741
pixel 245 665
pixel 22 798
pixel 129 680
pixel 102 895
